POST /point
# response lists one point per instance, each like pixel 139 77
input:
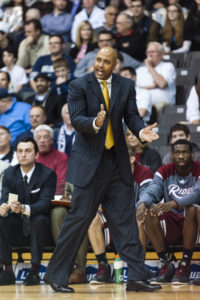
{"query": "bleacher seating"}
pixel 172 114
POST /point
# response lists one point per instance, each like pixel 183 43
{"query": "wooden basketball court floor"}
pixel 99 292
pixel 102 292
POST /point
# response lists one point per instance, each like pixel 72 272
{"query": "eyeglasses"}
pixel 172 10
pixel 54 43
pixel 153 51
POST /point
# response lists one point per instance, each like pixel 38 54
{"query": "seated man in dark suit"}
pixel 28 189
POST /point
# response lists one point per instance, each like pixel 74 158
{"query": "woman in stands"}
pixel 172 33
pixel 85 41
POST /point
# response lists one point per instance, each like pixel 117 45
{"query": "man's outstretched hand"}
pixel 148 135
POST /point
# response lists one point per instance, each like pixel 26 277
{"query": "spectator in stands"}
pixel 64 137
pixel 17 73
pixel 160 13
pixel 13 114
pixel 44 63
pixel 142 96
pixel 129 40
pixel 5 41
pixel 172 33
pixel 25 220
pixel 59 21
pixel 58 214
pixel 63 77
pixel 119 64
pixel 7 154
pixel 33 46
pixel 193 105
pixel 13 15
pixel 3 166
pixel 48 99
pixel 111 12
pixel 85 41
pixel 157 77
pixel 50 157
pixel 144 154
pixel 5 82
pixel 149 29
pixel 32 13
pixel 177 132
pixel 105 39
pixel 191 30
pixel 37 117
pixel 172 181
pixel 142 177
pixel 91 13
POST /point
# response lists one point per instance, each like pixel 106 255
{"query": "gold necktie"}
pixel 109 142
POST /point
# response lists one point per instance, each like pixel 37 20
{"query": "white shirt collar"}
pixel 109 80
pixel 29 174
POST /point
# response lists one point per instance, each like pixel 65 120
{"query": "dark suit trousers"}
pixel 11 235
pixel 108 189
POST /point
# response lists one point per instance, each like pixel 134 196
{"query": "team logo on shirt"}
pixel 178 192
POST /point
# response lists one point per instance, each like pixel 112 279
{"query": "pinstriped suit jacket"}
pixel 84 99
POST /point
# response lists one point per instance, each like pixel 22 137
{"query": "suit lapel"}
pixel 114 91
pixel 96 89
pixel 34 178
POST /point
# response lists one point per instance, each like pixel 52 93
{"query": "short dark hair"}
pixel 36 23
pixel 58 36
pixel 39 106
pixel 130 69
pixel 182 142
pixel 179 127
pixel 104 31
pixel 5 128
pixel 10 50
pixel 7 75
pixel 27 140
pixel 60 62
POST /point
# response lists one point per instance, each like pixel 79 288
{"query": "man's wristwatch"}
pixel 23 208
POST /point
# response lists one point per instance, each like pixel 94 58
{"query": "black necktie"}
pixel 26 180
pixel 26 219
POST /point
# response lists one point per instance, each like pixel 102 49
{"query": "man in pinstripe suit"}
pixel 101 173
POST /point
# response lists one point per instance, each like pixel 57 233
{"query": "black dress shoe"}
pixel 32 278
pixel 141 286
pixel 7 278
pixel 59 288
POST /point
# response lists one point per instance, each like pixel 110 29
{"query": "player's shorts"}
pixel 172 226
